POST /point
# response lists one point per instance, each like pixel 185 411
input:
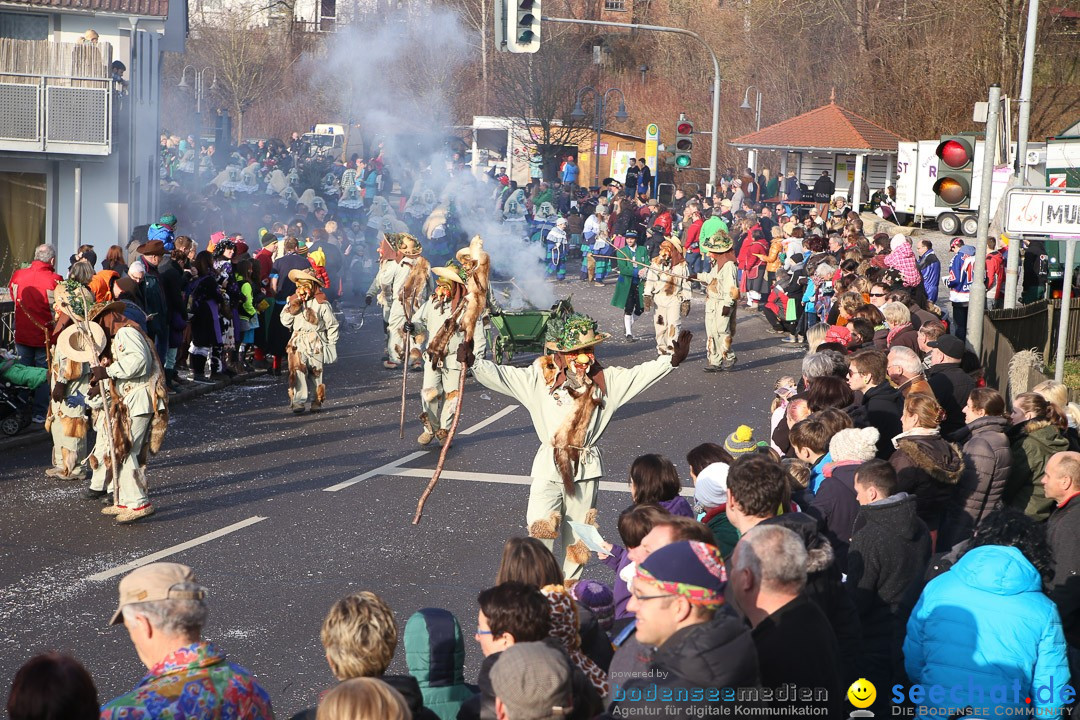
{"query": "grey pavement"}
pixel 237 464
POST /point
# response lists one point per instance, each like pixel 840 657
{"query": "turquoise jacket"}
pixel 986 624
pixel 435 654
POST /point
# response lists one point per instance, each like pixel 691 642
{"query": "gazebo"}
pixel 859 155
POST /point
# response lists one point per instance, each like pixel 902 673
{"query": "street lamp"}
pixel 578 113
pixel 746 103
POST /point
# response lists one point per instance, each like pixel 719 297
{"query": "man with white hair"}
pixel 768 583
pixel 30 290
pixel 905 370
pixel 164 609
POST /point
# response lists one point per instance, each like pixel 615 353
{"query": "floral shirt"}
pixel 193 683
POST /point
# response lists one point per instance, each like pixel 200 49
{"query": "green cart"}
pixel 523 330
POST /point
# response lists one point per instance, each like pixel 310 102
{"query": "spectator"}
pixel 890 547
pixel 1061 483
pixel 835 502
pixel 1037 433
pixel 163 608
pixel 987 462
pixel 1058 394
pixel 532 682
pixel 634 524
pixel 654 480
pixel 926 464
pixel 906 372
pixel 363 699
pixel 987 618
pixel 711 495
pixel 126 291
pixel 951 385
pixel 901 331
pixel 768 577
pixel 757 490
pixel 360 636
pixel 995 275
pixel 961 274
pixel 114 260
pixel 700 644
pixel 30 288
pixel 529 561
pixel 53 687
pixel 435 654
pixel 882 402
pixel 810 443
pixel 929 268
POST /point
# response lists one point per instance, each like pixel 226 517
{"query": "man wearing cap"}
pixel 721 300
pixel 632 262
pixel 442 372
pixel 571 400
pixel 411 287
pixel 951 385
pixel 130 379
pixel 313 343
pixel 678 598
pixel 532 681
pixel 163 608
pixel 667 290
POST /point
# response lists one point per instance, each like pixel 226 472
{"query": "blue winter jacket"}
pixel 986 624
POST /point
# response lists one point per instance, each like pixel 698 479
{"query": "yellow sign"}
pixel 652 130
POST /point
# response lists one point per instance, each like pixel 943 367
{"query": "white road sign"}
pixel 1042 212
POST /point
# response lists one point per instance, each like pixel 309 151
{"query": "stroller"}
pixel 15 381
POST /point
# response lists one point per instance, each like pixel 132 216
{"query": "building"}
pixel 78 145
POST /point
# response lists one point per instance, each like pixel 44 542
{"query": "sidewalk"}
pixel 36 433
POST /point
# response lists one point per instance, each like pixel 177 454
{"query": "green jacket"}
pixel 628 274
pixel 435 654
pixel 1030 451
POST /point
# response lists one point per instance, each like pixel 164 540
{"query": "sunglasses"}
pixel 874 294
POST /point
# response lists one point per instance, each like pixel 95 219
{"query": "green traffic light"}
pixel 682 160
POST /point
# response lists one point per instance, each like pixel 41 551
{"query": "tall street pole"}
pixel 977 300
pixel 1012 267
pixel 677 31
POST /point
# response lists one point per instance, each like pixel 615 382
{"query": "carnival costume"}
pixel 721 301
pixel 667 290
pixel 411 286
pixel 313 343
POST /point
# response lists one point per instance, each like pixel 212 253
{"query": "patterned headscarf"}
pixel 691 569
pixel 564 628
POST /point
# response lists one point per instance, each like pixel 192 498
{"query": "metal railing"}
pixel 7 324
pixel 55 113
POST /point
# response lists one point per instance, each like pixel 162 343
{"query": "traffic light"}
pixel 955 164
pixel 517 25
pixel 684 141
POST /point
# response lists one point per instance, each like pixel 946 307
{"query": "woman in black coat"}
pixel 987 462
pixel 204 302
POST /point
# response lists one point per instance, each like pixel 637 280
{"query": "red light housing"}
pixel 955 153
pixel 685 128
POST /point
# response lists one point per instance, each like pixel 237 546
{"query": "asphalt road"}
pixel 238 467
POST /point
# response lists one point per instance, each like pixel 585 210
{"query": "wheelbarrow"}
pixel 523 330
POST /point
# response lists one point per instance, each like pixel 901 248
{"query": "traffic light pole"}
pixel 977 304
pixel 677 31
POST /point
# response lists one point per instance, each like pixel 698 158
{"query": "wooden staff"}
pixel 446 446
pixel 649 266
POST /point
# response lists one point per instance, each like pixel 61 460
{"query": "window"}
pixel 616 5
pixel 21 26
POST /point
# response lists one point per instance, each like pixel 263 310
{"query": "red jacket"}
pixel 693 236
pixel 30 288
pixel 995 276
pixel 265 260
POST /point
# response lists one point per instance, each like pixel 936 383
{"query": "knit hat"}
pixel 168 219
pixel 858 444
pixel 691 569
pixel 898 240
pixel 533 681
pixel 598 598
pixel 711 488
pixel 740 441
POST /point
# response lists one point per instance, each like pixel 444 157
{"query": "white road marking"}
pixel 381 470
pixel 484 423
pixel 507 479
pixel 154 557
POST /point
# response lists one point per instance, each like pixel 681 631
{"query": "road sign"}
pixel 652 139
pixel 1042 212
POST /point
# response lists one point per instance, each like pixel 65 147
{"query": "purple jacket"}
pixel 619 558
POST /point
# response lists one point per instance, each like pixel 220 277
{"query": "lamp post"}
pixel 578 113
pixel 200 86
pixel 746 103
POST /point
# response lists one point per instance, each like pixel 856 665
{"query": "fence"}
pixel 1030 327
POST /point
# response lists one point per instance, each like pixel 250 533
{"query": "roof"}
pixel 154 8
pixel 829 127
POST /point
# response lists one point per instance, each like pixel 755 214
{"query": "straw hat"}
pixel 298 276
pixel 73 344
pixel 448 274
pixel 576 332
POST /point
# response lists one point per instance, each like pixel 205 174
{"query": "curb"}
pixel 36 435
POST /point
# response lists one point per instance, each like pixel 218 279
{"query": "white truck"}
pixel 916 173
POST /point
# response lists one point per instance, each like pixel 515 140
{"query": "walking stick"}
pixel 446 446
pixel 649 267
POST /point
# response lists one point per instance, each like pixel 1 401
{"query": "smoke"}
pixel 394 78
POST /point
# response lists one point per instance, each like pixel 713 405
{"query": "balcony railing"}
pixel 49 113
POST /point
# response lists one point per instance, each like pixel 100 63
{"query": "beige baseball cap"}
pixel 155 582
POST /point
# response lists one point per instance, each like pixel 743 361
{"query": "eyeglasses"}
pixel 874 294
pixel 643 598
pixel 483 632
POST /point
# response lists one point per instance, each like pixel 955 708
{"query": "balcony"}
pixel 55 97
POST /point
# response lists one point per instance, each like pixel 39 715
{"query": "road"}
pixel 281 515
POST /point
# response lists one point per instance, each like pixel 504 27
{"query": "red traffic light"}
pixel 684 128
pixel 955 153
pixel 952 190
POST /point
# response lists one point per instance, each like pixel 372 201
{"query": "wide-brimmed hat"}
pixel 575 332
pixel 449 274
pixel 299 275
pixel 406 244
pixel 73 344
pixel 152 247
pixel 99 309
pixel 718 242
